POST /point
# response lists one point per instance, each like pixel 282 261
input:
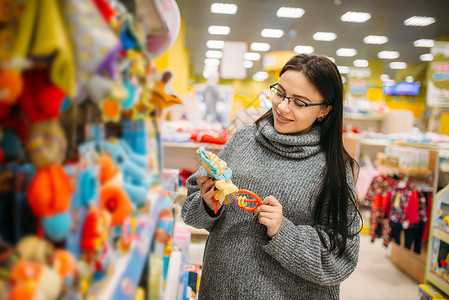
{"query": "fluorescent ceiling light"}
pixel 211 62
pixel 419 21
pixel 424 43
pixel 248 64
pixel 251 56
pixel 361 63
pixel 343 69
pixel 388 54
pixel 398 65
pixel 324 36
pixel 426 57
pixel 210 68
pixel 221 30
pixel 303 49
pixel 260 46
pixel 384 77
pixel 272 33
pixel 346 52
pixel 215 44
pixel 214 54
pixel 375 39
pixel 355 17
pixel 290 12
pixel 260 76
pixel 268 61
pixel 223 8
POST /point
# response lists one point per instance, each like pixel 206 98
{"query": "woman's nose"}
pixel 284 105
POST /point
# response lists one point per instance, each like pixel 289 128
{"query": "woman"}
pixel 303 241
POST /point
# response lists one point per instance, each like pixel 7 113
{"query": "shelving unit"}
pixel 183 155
pixel 439 233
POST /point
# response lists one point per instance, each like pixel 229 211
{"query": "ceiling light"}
pixel 223 8
pixel 268 61
pixel 388 54
pixel 362 63
pixel 303 49
pixel 375 39
pixel 426 57
pixel 214 54
pixel 210 68
pixel 343 69
pixel 221 30
pixel 290 12
pixel 346 52
pixel 384 77
pixel 409 78
pixel 211 62
pixel 331 59
pixel 215 44
pixel 272 33
pixel 260 76
pixel 419 21
pixel 251 56
pixel 248 64
pixel 398 65
pixel 260 46
pixel 355 17
pixel 324 36
pixel 424 43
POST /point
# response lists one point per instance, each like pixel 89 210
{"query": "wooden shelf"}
pixel 438 282
pixel 441 234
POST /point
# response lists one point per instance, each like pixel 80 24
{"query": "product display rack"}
pixel 439 236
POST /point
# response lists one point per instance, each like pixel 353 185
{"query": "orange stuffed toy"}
pixel 160 99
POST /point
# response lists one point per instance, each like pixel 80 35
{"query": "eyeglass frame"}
pixel 273 86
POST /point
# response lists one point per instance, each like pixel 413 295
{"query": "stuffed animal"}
pixel 161 97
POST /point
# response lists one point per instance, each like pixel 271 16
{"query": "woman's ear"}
pixel 326 110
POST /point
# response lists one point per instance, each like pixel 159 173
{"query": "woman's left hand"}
pixel 270 215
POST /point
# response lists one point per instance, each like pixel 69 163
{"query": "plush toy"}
pixel 115 200
pixel 64 263
pixel 34 249
pixel 49 196
pixel 43 278
pixel 11 86
pixel 136 179
pixel 227 192
pixel 161 97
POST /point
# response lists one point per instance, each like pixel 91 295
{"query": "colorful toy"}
pixel 64 263
pixel 11 86
pixel 49 196
pixel 115 200
pixel 46 144
pixel 162 97
pixel 227 192
pixel 34 249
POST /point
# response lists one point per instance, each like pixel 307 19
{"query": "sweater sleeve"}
pixel 194 210
pixel 298 249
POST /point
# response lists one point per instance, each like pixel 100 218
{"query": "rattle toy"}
pixel 227 192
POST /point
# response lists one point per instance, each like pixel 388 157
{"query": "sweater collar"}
pixel 293 146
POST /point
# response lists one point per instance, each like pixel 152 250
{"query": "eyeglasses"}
pixel 278 97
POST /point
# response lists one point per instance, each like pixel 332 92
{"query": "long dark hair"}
pixel 331 210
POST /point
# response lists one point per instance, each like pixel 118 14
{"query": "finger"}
pixel 202 179
pixel 211 193
pixel 270 200
pixel 266 221
pixel 268 208
pixel 207 185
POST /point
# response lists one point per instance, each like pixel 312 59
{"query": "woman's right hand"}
pixel 208 190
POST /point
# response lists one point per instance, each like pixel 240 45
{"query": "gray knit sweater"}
pixel 240 260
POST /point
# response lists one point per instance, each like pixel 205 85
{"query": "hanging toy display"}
pixel 227 192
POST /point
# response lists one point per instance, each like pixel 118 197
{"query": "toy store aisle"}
pixel 376 277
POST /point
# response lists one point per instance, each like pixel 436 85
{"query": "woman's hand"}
pixel 270 215
pixel 208 190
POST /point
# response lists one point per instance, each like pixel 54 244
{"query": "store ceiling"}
pixel 252 16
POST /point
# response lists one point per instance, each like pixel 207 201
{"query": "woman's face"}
pixel 290 119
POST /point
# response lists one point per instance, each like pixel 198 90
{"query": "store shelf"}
pixel 127 269
pixel 438 282
pixel 441 234
pixel 364 117
pixel 407 171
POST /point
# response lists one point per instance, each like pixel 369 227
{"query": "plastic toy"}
pixel 49 196
pixel 87 187
pixel 46 144
pixel 227 192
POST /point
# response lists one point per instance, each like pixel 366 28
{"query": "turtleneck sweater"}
pixel 240 260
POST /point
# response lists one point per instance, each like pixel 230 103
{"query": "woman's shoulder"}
pixel 245 131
